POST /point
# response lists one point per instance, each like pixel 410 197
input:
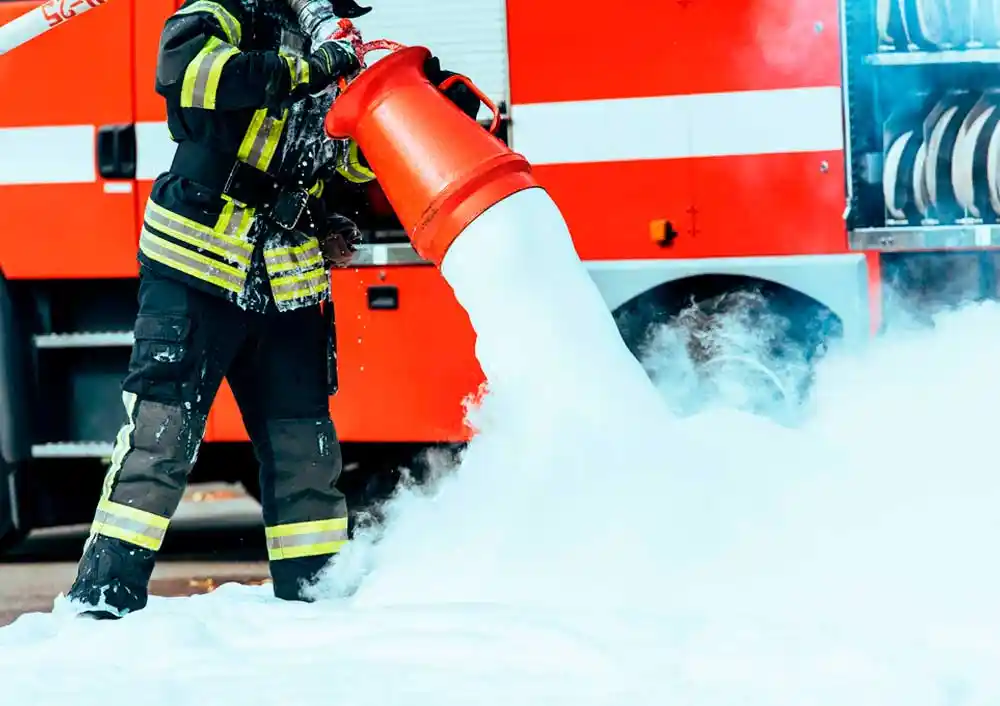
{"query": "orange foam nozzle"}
pixel 438 168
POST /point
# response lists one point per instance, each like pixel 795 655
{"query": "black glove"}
pixel 330 61
pixel 349 9
pixel 458 93
pixel 343 238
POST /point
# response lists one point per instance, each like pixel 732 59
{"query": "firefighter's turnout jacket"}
pixel 250 184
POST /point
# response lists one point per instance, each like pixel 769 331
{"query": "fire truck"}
pixel 816 156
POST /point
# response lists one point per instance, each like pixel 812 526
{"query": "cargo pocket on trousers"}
pixel 160 360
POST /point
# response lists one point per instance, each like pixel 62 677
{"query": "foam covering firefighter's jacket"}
pixel 241 209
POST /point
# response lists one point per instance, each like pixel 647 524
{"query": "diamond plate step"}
pixel 72 449
pixel 924 58
pixel 84 339
pixel 387 254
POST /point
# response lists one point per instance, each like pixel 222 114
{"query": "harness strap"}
pixel 287 206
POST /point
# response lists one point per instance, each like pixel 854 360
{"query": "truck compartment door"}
pixel 65 210
pixel 154 147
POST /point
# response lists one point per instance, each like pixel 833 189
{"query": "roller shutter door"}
pixel 470 36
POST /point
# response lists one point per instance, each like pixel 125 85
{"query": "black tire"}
pixel 15 439
pixel 12 526
pixel 747 348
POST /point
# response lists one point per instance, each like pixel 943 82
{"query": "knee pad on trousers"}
pixel 300 474
pixel 158 455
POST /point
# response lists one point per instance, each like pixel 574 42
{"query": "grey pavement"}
pixel 216 536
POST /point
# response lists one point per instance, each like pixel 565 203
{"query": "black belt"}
pixel 285 205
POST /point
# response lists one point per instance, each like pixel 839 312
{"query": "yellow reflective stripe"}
pixel 129 524
pixel 123 443
pixel 202 76
pixel 298 69
pixel 352 176
pixel 293 250
pixel 193 71
pixel 299 285
pixel 290 62
pixel 318 549
pixel 132 537
pixel 134 514
pixel 284 263
pixel 293 529
pixel 253 129
pixel 220 267
pixel 234 220
pixel 158 214
pixel 188 231
pixel 310 277
pixel 302 539
pixel 256 120
pixel 218 61
pixel 191 263
pixel 354 157
pixel 261 139
pixel 317 188
pixel 274 128
pixel 201 243
pixel 289 286
pixel 350 166
pixel 225 19
pixel 312 290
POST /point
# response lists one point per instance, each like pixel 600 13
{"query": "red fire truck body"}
pixel 695 148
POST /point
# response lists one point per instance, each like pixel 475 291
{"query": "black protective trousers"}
pixel 186 342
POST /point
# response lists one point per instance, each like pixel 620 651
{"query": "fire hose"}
pixel 41 19
pixel 316 17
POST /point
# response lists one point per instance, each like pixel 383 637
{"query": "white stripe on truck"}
pixel 678 127
pixel 48 155
pixel 155 150
pixel 571 132
pixel 67 154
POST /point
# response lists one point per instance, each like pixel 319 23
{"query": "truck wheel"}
pixel 15 444
pixel 747 348
pixel 12 526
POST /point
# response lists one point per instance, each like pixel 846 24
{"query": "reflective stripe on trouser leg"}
pixel 153 454
pixel 299 539
pixel 123 442
pixel 122 522
pixel 304 513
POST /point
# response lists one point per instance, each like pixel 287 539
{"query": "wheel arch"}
pixel 836 283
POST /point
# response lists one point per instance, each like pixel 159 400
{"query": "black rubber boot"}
pixel 113 578
pixel 291 577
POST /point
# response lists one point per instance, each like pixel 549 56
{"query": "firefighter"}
pixel 235 249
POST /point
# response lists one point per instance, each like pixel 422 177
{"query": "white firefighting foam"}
pixel 592 549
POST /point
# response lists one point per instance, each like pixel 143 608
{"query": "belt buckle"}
pixel 289 207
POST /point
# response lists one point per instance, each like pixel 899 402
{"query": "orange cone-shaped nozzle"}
pixel 439 169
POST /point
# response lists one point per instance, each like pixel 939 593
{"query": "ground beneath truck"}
pixel 216 538
pixel 850 559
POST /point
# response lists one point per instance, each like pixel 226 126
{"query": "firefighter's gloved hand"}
pixel 341 242
pixel 331 60
pixel 459 94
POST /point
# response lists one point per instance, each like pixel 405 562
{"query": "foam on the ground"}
pixel 593 549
